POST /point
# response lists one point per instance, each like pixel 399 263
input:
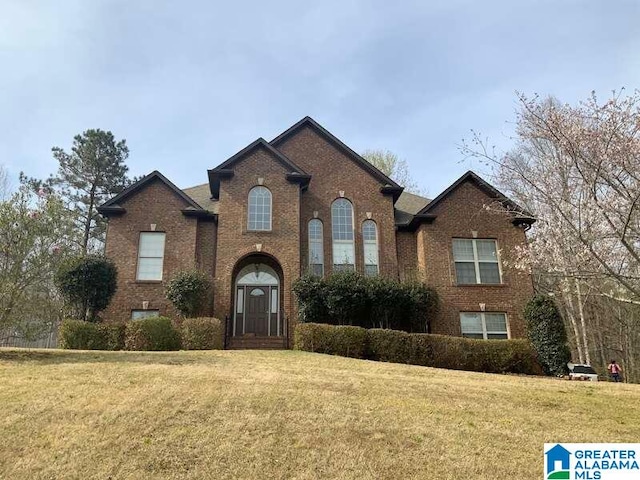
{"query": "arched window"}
pixel 370 241
pixel 342 233
pixel 316 252
pixel 259 217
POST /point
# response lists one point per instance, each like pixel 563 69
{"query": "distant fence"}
pixel 47 339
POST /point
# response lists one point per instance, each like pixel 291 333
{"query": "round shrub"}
pixel 204 333
pixel 87 284
pixel 187 291
pixel 155 333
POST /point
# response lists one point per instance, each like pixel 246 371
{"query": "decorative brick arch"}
pixel 257 303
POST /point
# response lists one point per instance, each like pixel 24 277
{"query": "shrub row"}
pixel 156 333
pixel 81 335
pixel 441 351
pixel 350 298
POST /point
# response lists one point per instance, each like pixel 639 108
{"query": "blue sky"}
pixel 190 83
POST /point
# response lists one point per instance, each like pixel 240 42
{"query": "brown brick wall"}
pixel 155 204
pixel 234 240
pixel 408 256
pixel 332 171
pixel 458 216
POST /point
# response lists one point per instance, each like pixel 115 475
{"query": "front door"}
pixel 257 316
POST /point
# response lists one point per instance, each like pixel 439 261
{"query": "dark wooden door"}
pixel 257 311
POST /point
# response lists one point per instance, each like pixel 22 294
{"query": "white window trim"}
pixel 351 243
pixel 249 210
pixel 375 242
pixel 321 243
pixel 139 257
pixel 477 262
pixel 485 332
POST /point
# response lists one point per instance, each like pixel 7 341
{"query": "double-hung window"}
pixel 489 326
pixel 476 261
pixel 150 256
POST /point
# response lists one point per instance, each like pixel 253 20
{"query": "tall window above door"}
pixel 344 257
pixel 259 217
pixel 316 253
pixel 150 256
pixel 476 261
pixel 370 241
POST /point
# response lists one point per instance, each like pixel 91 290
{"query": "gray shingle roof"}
pixel 201 194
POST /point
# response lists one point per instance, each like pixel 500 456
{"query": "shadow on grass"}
pixel 55 356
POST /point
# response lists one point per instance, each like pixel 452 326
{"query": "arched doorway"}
pixel 257 291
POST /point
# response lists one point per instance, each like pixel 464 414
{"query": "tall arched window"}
pixel 344 257
pixel 316 253
pixel 259 217
pixel 370 241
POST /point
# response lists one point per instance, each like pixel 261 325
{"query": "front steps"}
pixel 256 343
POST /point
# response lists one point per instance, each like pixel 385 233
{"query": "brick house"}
pixel 306 202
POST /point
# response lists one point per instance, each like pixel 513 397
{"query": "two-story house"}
pixel 305 202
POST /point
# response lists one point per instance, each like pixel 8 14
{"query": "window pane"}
pixel 240 301
pixel 315 230
pixel 259 214
pixel 343 268
pixel 465 273
pixel 371 270
pixel 462 250
pixel 471 323
pixel 317 270
pixel 369 231
pixel 274 300
pixel 489 273
pixel 140 314
pixel 496 322
pixel 151 244
pixel 497 336
pixel 473 335
pixel 342 220
pixel 150 269
pixel 487 251
pixel 370 253
pixel 343 253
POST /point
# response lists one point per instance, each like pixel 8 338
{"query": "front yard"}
pixel 287 414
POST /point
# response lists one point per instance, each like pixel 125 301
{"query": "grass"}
pixel 287 414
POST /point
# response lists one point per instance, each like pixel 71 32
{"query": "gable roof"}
pixel 409 213
pixel 113 207
pixel 225 170
pixel 389 186
pixel 485 187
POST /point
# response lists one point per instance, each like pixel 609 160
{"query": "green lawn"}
pixel 287 414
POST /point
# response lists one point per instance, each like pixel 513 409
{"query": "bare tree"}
pixel 393 167
pixel 578 169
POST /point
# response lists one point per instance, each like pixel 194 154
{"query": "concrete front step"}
pixel 252 342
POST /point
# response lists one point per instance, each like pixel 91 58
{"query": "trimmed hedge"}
pixel 81 335
pixel 202 333
pixel 440 351
pixel 344 340
pixel 155 333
